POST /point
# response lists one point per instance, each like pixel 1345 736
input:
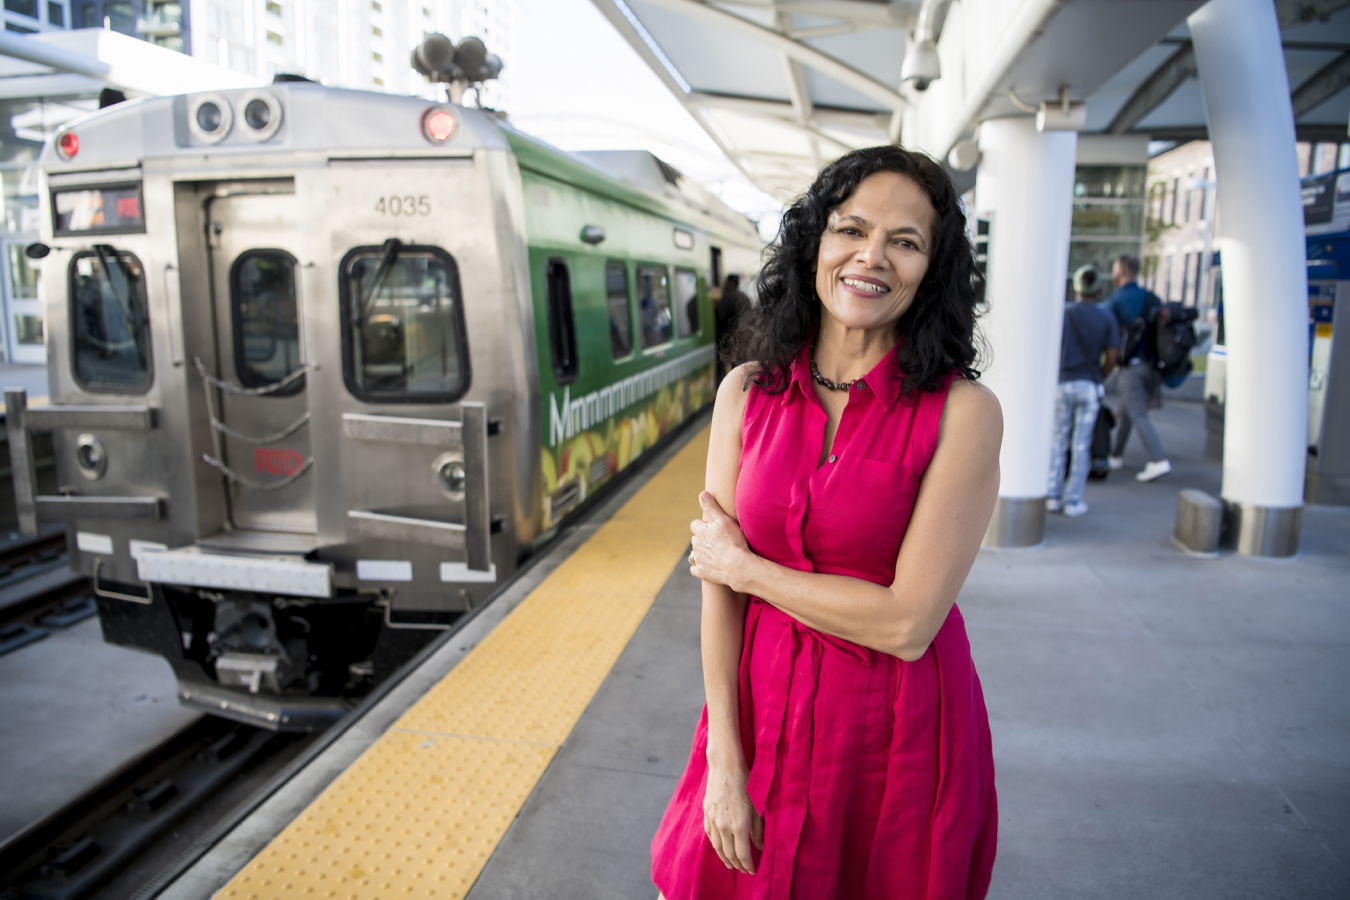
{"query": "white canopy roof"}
pixel 784 85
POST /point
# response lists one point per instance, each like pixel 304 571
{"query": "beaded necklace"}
pixel 822 380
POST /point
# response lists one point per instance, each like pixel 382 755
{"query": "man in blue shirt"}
pixel 1139 377
pixel 1090 332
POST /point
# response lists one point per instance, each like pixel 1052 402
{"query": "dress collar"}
pixel 881 381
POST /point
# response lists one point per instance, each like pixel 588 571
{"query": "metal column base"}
pixel 1017 522
pixel 1261 530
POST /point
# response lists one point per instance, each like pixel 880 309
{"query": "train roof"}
pixel 344 123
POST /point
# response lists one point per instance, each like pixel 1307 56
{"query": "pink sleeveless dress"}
pixel 875 776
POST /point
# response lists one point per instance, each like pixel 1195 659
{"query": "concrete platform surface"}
pixel 31 378
pixel 1164 726
pixel 73 710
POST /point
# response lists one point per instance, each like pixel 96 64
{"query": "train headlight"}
pixel 262 114
pixel 67 145
pixel 439 125
pixel 90 457
pixel 448 469
pixel 210 118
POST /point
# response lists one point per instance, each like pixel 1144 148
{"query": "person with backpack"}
pixel 1136 310
pixel 1090 332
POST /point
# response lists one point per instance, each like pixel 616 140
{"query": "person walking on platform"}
pixel 1135 307
pixel 844 750
pixel 727 315
pixel 1090 333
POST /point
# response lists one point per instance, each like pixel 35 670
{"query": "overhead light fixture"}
pixel 1055 115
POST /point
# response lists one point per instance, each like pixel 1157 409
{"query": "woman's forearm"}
pixel 851 608
pixel 722 633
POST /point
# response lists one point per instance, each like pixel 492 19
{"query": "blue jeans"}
pixel 1076 404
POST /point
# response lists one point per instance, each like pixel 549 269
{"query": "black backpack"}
pixel 1134 333
pixel 1173 339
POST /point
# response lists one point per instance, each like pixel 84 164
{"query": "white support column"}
pixel 1265 282
pixel 1025 188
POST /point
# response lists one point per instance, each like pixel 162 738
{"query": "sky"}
pixel 578 85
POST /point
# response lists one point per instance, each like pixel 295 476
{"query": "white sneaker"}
pixel 1052 505
pixel 1155 469
pixel 1075 509
pixel 1115 462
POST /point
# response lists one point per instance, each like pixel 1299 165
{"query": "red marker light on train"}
pixel 67 145
pixel 438 125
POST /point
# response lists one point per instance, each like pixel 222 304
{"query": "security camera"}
pixel 921 65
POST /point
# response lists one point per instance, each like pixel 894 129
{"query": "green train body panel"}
pixel 613 410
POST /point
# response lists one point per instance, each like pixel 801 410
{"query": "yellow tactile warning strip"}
pixel 420 812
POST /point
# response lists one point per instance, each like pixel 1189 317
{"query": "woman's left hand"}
pixel 720 552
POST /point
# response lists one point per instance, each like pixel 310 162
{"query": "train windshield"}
pixel 266 324
pixel 404 325
pixel 110 329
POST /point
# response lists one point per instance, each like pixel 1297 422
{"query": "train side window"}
pixel 266 320
pixel 620 309
pixel 654 305
pixel 402 325
pixel 109 321
pixel 562 326
pixel 686 301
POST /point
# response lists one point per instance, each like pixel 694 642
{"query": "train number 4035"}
pixel 406 205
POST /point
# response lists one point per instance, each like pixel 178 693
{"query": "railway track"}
pixel 74 851
pixel 38 590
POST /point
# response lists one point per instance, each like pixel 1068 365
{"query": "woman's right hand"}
pixel 730 819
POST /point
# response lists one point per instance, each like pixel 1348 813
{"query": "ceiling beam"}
pixel 780 109
pixel 1310 134
pixel 888 15
pixel 1301 12
pixel 802 53
pixel 1156 88
pixel 1329 81
pixel 796 75
pixel 648 55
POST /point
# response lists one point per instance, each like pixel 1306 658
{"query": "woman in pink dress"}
pixel 844 749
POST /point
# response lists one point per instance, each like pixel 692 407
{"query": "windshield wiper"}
pixel 388 259
pixel 107 254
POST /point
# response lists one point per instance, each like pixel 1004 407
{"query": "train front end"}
pixel 289 367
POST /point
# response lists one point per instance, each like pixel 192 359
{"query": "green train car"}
pixel 622 311
pixel 326 365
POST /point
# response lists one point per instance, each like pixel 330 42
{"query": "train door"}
pixel 263 404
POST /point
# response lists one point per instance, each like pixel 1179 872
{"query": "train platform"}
pixel 1164 726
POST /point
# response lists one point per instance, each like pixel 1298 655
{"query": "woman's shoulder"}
pixel 971 409
pixel 736 387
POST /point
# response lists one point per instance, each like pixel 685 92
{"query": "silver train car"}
pixel 326 365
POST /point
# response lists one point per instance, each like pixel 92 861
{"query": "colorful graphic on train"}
pixel 594 436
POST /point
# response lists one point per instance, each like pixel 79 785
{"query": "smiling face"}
pixel 874 253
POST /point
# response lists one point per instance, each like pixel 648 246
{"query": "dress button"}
pixel 831 457
pixel 861 385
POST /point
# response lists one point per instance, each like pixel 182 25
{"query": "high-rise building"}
pixel 29 16
pixel 362 44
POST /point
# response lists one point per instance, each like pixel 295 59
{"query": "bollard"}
pixel 1199 518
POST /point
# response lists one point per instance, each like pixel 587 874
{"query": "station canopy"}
pixel 783 86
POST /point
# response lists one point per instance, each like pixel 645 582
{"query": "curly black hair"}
pixel 938 329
